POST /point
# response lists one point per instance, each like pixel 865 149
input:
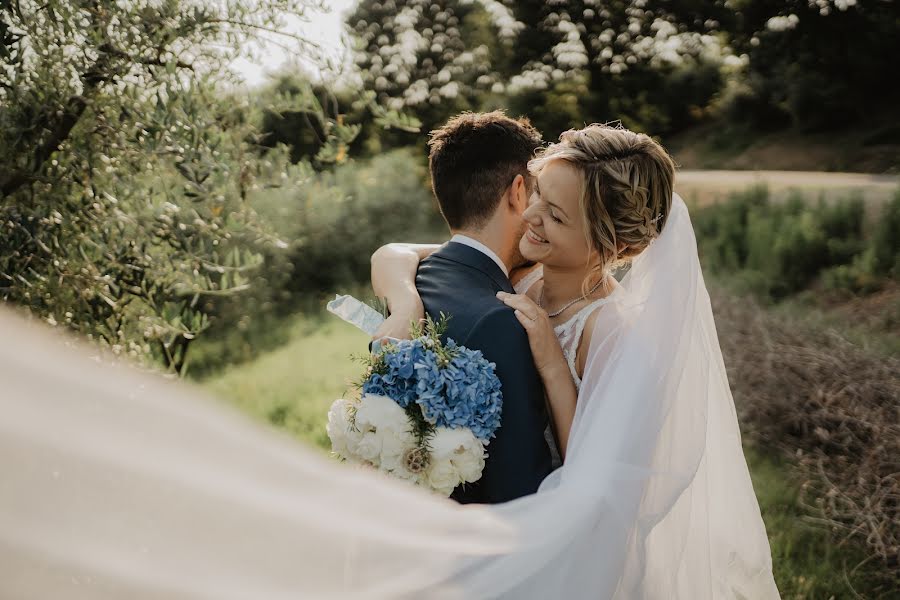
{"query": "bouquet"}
pixel 426 411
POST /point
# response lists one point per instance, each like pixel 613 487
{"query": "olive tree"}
pixel 127 160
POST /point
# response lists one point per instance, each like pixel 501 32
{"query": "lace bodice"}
pixel 569 336
pixel 568 333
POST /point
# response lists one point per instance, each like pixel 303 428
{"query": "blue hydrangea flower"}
pixel 464 392
pixel 398 383
pixel 470 395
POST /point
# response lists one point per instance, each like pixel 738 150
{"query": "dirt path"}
pixel 710 186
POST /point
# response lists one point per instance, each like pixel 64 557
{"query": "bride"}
pixel 117 484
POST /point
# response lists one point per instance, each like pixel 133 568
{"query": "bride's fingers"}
pixel 527 322
pixel 524 304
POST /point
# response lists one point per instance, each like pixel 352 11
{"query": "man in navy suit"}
pixel 479 175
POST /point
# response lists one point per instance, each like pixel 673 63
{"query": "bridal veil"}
pixel 119 484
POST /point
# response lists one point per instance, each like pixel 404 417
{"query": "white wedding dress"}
pixel 121 485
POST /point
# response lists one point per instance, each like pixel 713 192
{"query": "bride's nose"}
pixel 531 213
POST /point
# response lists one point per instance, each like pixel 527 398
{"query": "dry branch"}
pixel 830 405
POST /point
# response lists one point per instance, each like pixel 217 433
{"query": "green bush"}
pixel 877 260
pixel 336 223
pixel 776 249
pixel 330 223
pixel 884 245
pixel 722 230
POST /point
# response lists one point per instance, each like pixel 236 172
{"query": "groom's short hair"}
pixel 473 159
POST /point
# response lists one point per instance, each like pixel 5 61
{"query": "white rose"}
pixel 338 427
pixel 463 449
pixel 446 441
pixel 380 418
pixel 380 411
pixel 369 447
pixel 442 476
pixel 341 429
pixel 390 462
pixel 469 463
pixel 393 445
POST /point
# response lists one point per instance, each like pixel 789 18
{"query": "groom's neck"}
pixel 491 236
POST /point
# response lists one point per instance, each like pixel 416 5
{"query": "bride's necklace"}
pixel 573 301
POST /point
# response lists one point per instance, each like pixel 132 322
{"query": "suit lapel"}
pixel 472 258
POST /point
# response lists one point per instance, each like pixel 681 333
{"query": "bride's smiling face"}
pixel 555 233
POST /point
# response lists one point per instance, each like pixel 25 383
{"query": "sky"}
pixel 324 29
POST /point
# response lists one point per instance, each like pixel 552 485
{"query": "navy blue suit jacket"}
pixel 462 283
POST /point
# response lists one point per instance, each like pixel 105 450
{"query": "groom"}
pixel 479 175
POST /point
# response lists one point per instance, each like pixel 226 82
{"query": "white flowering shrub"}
pixel 561 62
pixel 656 65
pixel 435 57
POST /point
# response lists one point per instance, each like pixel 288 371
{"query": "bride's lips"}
pixel 534 238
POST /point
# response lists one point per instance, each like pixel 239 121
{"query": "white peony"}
pixel 378 435
pixel 469 462
pixel 369 447
pixel 442 476
pixel 392 429
pixel 380 411
pixel 393 445
pixel 464 451
pixel 339 428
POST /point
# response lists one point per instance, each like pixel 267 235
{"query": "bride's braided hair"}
pixel 627 188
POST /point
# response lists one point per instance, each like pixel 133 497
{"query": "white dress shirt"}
pixel 471 243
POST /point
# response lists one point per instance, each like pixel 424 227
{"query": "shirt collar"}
pixel 475 244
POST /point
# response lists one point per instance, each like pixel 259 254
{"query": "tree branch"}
pixel 287 34
pixel 59 129
pixel 59 132
pixel 111 50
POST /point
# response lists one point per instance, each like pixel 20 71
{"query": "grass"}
pixel 807 563
pixel 871 322
pixel 293 386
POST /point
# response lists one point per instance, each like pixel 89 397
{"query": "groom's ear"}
pixel 518 195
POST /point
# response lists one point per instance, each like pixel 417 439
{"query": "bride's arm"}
pixel 559 386
pixel 394 269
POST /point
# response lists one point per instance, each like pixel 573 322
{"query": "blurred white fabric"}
pixel 119 484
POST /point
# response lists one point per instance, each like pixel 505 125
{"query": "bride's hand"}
pixel 545 348
pixel 397 325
